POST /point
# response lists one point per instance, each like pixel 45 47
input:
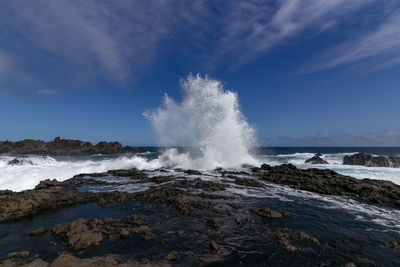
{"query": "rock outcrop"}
pixel 181 220
pixel 64 147
pixel 331 183
pixel 371 161
pixel 316 159
pixel 82 233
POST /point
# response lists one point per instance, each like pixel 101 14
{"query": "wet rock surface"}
pixel 181 220
pixel 371 161
pixel 316 159
pixel 63 147
pixel 82 233
pixel 331 183
pixel 268 213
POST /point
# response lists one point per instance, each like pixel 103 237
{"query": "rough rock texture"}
pixel 316 159
pixel 82 233
pixel 185 221
pixel 47 195
pixel 63 147
pixel 67 260
pixel 108 260
pixel 371 161
pixel 22 258
pixel 19 162
pixel 331 183
pixel 268 213
pixel 50 195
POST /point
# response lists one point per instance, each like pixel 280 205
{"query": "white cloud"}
pixel 253 28
pixel 379 48
pixel 119 40
pixel 110 37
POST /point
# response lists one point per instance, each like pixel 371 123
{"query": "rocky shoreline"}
pixel 179 219
pixel 367 160
pixel 64 147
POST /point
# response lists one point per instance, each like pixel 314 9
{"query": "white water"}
pixel 27 176
pixel 335 162
pixel 208 118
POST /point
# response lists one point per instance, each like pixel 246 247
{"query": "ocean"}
pixel 37 168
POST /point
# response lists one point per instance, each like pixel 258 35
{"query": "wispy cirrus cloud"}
pixel 255 27
pixel 378 48
pixel 385 138
pixel 100 36
pixel 120 40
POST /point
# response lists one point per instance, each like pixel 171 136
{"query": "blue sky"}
pixel 308 72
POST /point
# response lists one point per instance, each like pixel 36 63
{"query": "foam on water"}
pixel 27 176
pixel 335 163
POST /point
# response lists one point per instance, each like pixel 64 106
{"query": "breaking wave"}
pixel 209 121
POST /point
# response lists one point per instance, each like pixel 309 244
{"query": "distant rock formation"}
pixel 316 159
pixel 64 147
pixel 371 161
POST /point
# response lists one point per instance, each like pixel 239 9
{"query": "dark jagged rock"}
pixel 19 162
pixel 47 195
pixel 50 195
pixel 64 147
pixel 192 172
pixel 286 237
pixel 316 159
pixel 331 183
pixel 371 161
pixel 246 182
pixel 268 213
pixel 39 232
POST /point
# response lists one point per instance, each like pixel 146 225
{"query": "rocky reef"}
pixel 316 159
pixel 64 147
pixel 174 218
pixel 371 161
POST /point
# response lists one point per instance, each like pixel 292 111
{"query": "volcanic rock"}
pixel 331 183
pixel 47 195
pixel 371 161
pixel 316 159
pixel 63 147
pixel 268 213
pixel 82 233
pixel 39 232
pixel 19 162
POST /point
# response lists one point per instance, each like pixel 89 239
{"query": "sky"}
pixel 307 72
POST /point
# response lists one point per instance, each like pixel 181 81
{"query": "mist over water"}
pixel 208 120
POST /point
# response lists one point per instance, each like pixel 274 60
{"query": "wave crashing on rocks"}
pixel 209 122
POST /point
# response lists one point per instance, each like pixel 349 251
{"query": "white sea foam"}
pixel 208 118
pixel 27 176
pixel 335 162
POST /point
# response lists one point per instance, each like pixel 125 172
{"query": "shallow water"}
pixel 348 229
